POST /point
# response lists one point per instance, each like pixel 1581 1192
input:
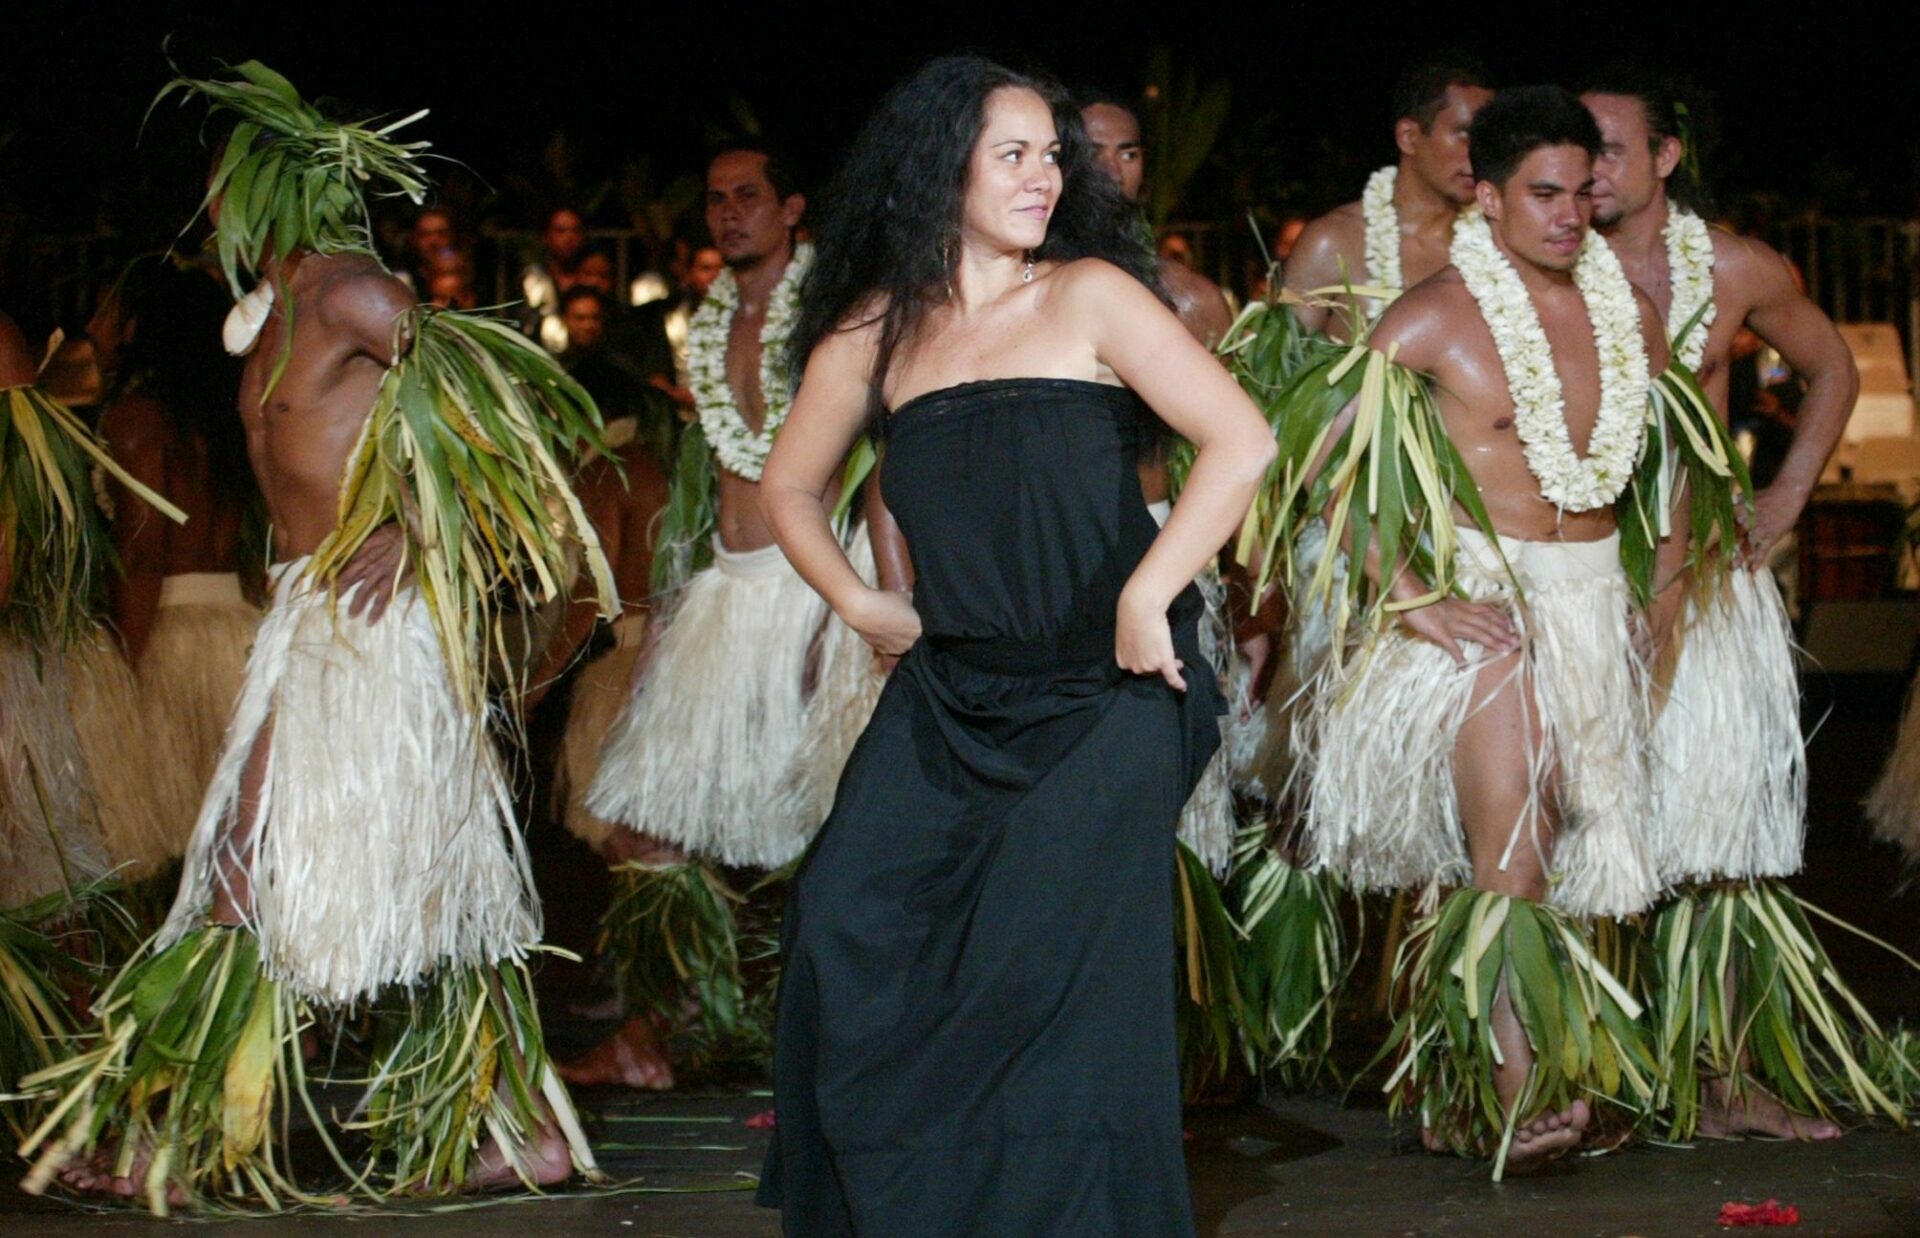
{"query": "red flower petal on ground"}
pixel 1773 1212
pixel 761 1121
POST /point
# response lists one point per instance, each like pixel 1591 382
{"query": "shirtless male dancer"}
pixel 1529 834
pixel 1737 813
pixel 1397 234
pixel 357 749
pixel 734 682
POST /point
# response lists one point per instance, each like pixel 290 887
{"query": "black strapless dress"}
pixel 976 1026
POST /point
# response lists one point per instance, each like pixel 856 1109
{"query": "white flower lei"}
pixel 739 449
pixel 1539 413
pixel 1382 235
pixel 1690 268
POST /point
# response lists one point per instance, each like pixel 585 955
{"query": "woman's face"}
pixel 1013 179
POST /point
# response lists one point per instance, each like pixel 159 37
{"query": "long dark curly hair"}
pixel 890 227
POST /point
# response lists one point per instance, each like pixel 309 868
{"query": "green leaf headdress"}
pixel 291 178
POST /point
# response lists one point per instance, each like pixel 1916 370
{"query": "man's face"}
pixel 749 221
pixel 704 267
pixel 1114 133
pixel 1628 172
pixel 584 323
pixel 595 272
pixel 1439 153
pixel 1542 213
pixel 432 232
pixel 566 237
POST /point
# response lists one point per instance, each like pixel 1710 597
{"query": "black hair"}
pixel 1673 109
pixel 890 229
pixel 782 172
pixel 1521 120
pixel 1087 97
pixel 1421 89
pixel 174 355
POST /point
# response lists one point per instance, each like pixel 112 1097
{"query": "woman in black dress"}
pixel 976 1018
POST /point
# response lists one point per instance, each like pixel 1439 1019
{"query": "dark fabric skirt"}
pixel 976 1029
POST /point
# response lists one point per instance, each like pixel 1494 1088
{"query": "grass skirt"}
pixel 713 727
pixel 1382 808
pixel 846 687
pixel 1729 766
pixel 599 691
pixel 49 828
pixel 188 678
pixel 385 847
pixel 1894 805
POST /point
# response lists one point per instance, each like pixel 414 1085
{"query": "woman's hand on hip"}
pixel 1143 641
pixel 886 620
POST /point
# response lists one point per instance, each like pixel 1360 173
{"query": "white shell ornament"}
pixel 247 319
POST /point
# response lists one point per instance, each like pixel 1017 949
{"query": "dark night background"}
pixel 1817 104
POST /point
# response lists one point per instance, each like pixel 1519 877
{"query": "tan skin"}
pixel 299 440
pixel 1538 219
pixel 1083 320
pixel 1753 290
pixel 1435 182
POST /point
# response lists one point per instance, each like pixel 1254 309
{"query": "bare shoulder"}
pixel 1750 267
pixel 1092 277
pixel 1426 309
pixel 1184 284
pixel 358 292
pixel 1337 237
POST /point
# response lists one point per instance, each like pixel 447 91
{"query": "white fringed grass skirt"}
pixel 846 686
pixel 1207 823
pixel 712 728
pixel 1729 765
pixel 1382 807
pixel 49 825
pixel 153 755
pixel 385 845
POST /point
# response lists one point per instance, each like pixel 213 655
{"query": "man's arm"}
pixel 1198 301
pixel 1321 259
pixel 1781 314
pixel 136 434
pixel 367 311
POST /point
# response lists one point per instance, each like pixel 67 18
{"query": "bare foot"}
pixel 632 1057
pixel 543 1160
pixel 95 1176
pixel 1755 1111
pixel 1547 1138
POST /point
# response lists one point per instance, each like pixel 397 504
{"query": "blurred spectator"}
pixel 433 234
pixel 1175 247
pixel 564 244
pixel 662 325
pixel 619 390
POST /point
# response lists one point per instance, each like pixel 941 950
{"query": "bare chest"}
pixel 745 354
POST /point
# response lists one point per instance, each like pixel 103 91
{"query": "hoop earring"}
pixel 1026 276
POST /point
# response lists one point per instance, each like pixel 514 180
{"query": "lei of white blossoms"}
pixel 1690 267
pixel 738 448
pixel 1382 236
pixel 1539 413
